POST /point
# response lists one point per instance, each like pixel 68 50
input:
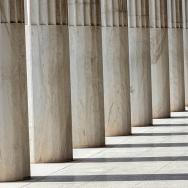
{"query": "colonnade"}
pixel 74 71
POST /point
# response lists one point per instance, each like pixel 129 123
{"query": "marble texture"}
pixel 87 86
pixel 185 39
pixel 140 63
pixel 49 85
pixel 114 13
pixel 116 69
pixel 185 36
pixel 14 136
pixel 116 81
pixel 49 93
pixel 176 59
pixel 46 12
pixel 159 59
pixel 140 77
pixel 86 74
pixel 12 11
pixel 84 13
pixel 176 55
pixel 160 72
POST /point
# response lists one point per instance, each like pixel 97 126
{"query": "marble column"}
pixel 140 62
pixel 176 55
pixel 14 136
pixel 49 81
pixel 185 35
pixel 159 58
pixel 86 73
pixel 116 67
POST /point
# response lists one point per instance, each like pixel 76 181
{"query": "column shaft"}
pixel 185 35
pixel 14 137
pixel 116 67
pixel 49 81
pixel 176 55
pixel 140 62
pixel 86 73
pixel 159 59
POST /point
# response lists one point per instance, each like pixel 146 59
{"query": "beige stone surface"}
pixel 140 63
pixel 14 137
pixel 185 39
pixel 49 81
pixel 49 93
pixel 116 68
pixel 159 59
pixel 116 81
pixel 176 58
pixel 87 86
pixel 86 73
pixel 140 77
pixel 160 73
pixel 176 55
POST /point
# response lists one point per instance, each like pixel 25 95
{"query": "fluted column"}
pixel 49 80
pixel 116 67
pixel 176 55
pixel 140 62
pixel 86 73
pixel 14 138
pixel 159 58
pixel 185 35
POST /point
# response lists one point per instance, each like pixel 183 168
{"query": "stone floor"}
pixel 152 157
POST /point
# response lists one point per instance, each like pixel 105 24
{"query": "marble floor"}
pixel 152 157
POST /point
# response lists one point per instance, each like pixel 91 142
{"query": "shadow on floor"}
pixel 98 178
pixel 160 134
pixel 131 159
pixel 152 145
pixel 171 125
pixel 179 117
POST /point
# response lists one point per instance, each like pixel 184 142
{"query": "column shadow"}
pixel 171 125
pixel 152 145
pixel 130 159
pixel 112 178
pixel 160 134
pixel 179 117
